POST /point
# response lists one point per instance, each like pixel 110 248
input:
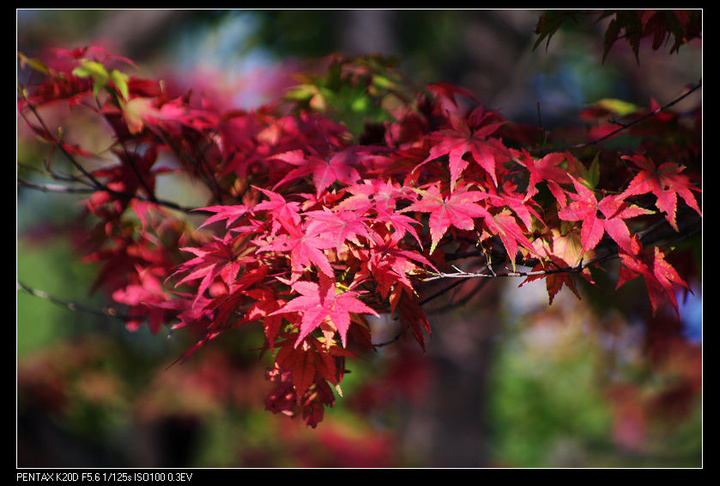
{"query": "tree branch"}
pixel 91 180
pixel 625 126
pixel 55 187
pixel 73 306
pixel 689 227
pixel 85 190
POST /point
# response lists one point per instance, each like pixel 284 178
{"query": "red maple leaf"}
pixel 215 259
pixel 310 363
pixel 554 281
pixel 282 213
pixel 301 375
pixel 407 306
pixel 457 209
pixel 244 292
pixel 665 182
pixel 381 198
pixel 337 227
pixel 143 294
pixel 388 265
pixel 504 225
pixel 469 136
pixel 599 217
pixel 324 304
pixel 660 277
pixel 374 194
pixel 505 196
pixel 303 363
pixel 302 249
pixel 559 254
pixel 289 235
pixel 229 213
pixel 339 166
pixel 263 304
pixel 545 170
pixel 447 95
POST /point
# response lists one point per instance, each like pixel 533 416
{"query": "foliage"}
pixel 630 25
pixel 339 202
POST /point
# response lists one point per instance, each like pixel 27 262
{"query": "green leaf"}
pixel 91 69
pixel 333 77
pixel 33 63
pixel 120 80
pixel 593 174
pixel 95 71
pixel 302 92
pixel 617 107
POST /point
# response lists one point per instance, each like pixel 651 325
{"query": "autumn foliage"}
pixel 337 203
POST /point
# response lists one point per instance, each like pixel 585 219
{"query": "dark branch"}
pixel 658 233
pixel 625 126
pixel 73 306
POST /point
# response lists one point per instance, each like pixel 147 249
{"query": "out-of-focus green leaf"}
pixel 33 63
pixel 617 107
pixel 120 80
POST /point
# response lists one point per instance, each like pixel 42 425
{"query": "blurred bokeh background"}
pixel 506 380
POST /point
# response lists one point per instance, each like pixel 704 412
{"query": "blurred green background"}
pixel 506 382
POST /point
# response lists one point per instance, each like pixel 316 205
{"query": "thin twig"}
pixel 641 119
pixel 692 228
pixel 626 126
pixel 94 182
pixel 73 306
pixel 55 187
pixel 86 190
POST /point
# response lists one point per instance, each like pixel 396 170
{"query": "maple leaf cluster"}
pixel 315 226
pixel 631 26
